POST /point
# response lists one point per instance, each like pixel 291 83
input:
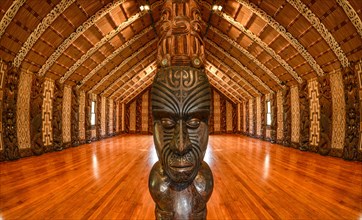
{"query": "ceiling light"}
pixel 216 7
pixel 144 7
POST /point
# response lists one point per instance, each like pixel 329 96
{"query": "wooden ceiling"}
pixel 252 47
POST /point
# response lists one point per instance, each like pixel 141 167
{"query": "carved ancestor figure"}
pixel 287 116
pixel 273 126
pixel 57 116
pixel 180 182
pixel 325 99
pixel 304 117
pixel 36 116
pixel 75 117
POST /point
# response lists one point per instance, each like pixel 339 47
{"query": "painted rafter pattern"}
pixel 40 29
pixel 222 87
pixel 251 57
pixel 216 71
pixel 227 83
pixel 9 15
pixel 104 40
pixel 124 62
pixel 256 78
pixel 122 90
pixel 352 15
pixel 282 31
pixel 234 75
pixel 125 76
pixel 322 30
pixel 79 31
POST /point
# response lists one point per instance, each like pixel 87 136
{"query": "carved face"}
pixel 180 107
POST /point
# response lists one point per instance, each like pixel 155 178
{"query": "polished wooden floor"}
pixel 108 180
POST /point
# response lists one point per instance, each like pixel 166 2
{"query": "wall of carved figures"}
pixel 3 69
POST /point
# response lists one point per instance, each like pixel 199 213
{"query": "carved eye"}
pixel 193 123
pixel 167 123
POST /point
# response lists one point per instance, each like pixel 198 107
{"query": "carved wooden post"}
pixel 99 118
pixel 181 182
pixel 274 112
pixel 37 146
pixel 325 100
pixel 287 118
pixel 304 117
pixel 57 116
pixel 75 117
pixel 263 117
pixel 88 124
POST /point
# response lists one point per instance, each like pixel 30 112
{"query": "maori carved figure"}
pixel 37 145
pixel 304 117
pixel 350 151
pixel 222 114
pixel 255 119
pixel 139 114
pixel 325 99
pixel 57 116
pixel 127 118
pixel 99 118
pixel 263 116
pixel 75 117
pixel 114 118
pixel 247 117
pixel 211 120
pixel 273 126
pixel 181 183
pixel 11 148
pixel 150 120
pixel 287 118
pixel 235 119
pixel 88 124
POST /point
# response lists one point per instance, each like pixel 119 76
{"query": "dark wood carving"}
pixel 211 119
pixel 274 118
pixel 242 115
pixel 139 113
pixel 287 118
pixel 235 119
pixel 36 121
pixel 325 101
pixel 107 131
pixel 222 114
pixel 127 118
pixel 87 113
pixel 150 119
pixel 181 182
pixel 350 151
pixel 263 117
pixel 75 117
pixel 11 148
pixel 99 118
pixel 57 116
pixel 304 117
pixel 247 132
pixel 254 118
pixel 114 118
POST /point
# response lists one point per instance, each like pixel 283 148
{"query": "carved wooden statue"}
pixel 180 182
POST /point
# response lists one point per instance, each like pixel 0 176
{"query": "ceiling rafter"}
pixel 322 30
pixel 251 57
pixel 78 32
pixel 215 82
pixel 9 15
pixel 128 74
pixel 124 62
pixel 104 40
pixel 230 71
pixel 237 62
pixel 40 29
pixel 352 15
pixel 211 67
pixel 151 67
pixel 282 31
pixel 225 81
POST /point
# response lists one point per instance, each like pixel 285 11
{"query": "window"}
pixel 93 113
pixel 268 113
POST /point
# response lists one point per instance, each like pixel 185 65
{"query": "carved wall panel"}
pixel 87 115
pixel 295 110
pixel 132 117
pixel 47 114
pixel 82 116
pixel 229 117
pixel 66 114
pixel 222 114
pixel 247 117
pixel 211 118
pixel 57 124
pixel 123 117
pixel 103 115
pixel 3 69
pixel 244 116
pixel 251 116
pixel 351 92
pixel 262 117
pixel 287 117
pixel 111 118
pixel 304 116
pixel 325 99
pixel 280 116
pixel 11 148
pixel 106 111
pixel 234 119
pixel 274 121
pixel 75 117
pixel 36 112
pixel 258 116
pixel 23 110
pixel 358 69
pixel 117 117
pixel 145 113
pixel 314 114
pixel 139 114
pixel 99 107
pixel 127 119
pixel 267 128
pixel 150 118
pixel 114 119
pixel 239 116
pixel 217 113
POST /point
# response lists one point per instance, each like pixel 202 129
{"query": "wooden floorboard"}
pixel 108 180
